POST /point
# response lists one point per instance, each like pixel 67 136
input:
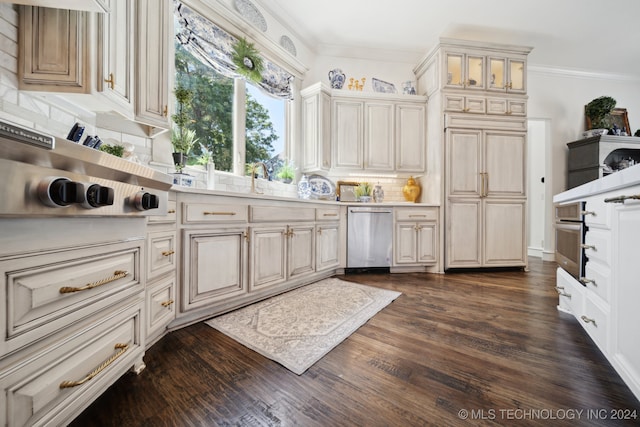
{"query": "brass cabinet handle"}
pixel 621 199
pixel 586 280
pixel 465 110
pixel 166 303
pixel 561 292
pixel 245 234
pixel 118 274
pixel 122 348
pixel 508 113
pixel 585 246
pixel 417 216
pixel 110 81
pixel 330 214
pixel 168 253
pixel 486 184
pixel 319 231
pixel 509 85
pixel 219 213
pixel 585 213
pixel 585 319
pixel 165 112
pixel 481 184
pixel 171 211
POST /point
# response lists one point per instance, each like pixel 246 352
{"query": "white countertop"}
pixel 617 180
pixel 290 199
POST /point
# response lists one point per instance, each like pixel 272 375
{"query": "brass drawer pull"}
pixel 171 211
pixel 168 253
pixel 118 274
pixel 219 213
pixel 621 199
pixel 330 214
pixel 166 303
pixel 562 293
pixel 584 246
pixel 417 216
pixel 122 348
pixel 585 281
pixel 585 319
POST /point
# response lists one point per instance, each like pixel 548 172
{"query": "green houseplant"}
pixel 598 111
pixel 287 172
pixel 363 192
pixel 182 138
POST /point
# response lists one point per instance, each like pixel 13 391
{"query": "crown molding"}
pixel 549 70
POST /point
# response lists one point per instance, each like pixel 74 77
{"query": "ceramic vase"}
pixel 336 78
pixel 378 194
pixel 411 190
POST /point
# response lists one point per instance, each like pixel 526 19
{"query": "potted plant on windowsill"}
pixel 286 173
pixel 597 112
pixel 182 138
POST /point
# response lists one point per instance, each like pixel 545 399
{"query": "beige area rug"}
pixel 298 327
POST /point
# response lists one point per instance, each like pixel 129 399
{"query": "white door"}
pixel 538 130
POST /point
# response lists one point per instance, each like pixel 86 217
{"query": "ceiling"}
pixel 589 35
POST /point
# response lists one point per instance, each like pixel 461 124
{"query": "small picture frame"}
pixel 345 191
pixel 619 117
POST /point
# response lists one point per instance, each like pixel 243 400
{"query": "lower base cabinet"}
pixel 215 266
pixel 416 236
pixel 327 246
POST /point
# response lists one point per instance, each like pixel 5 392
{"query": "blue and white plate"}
pixel 322 188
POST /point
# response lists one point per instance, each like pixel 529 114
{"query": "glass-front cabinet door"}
pixel 497 73
pixel 517 76
pixel 475 72
pixel 507 75
pixel 465 71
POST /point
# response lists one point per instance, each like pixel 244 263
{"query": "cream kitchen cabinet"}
pixel 116 62
pixel 507 106
pixel 486 200
pixel 507 74
pixel 465 104
pixel 316 128
pixel 160 294
pixel 464 70
pixel 327 238
pixel 54 50
pixel 347 133
pixel 154 53
pixel 282 244
pixel 371 132
pixel 415 236
pixel 410 137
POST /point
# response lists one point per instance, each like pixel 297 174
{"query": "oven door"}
pixel 569 252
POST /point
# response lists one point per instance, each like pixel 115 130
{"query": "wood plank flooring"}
pixel 470 348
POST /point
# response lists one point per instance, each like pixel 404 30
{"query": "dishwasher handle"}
pixel 369 210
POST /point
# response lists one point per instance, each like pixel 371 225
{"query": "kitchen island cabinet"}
pixel 604 300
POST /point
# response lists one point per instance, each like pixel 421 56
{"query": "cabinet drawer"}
pixel 198 213
pixel 281 214
pixel 595 319
pixel 597 279
pixel 598 213
pixel 328 214
pixel 464 104
pixel 32 391
pixel 169 217
pixel 161 306
pixel 570 293
pixel 416 214
pixel 598 246
pixel 54 290
pixel 162 253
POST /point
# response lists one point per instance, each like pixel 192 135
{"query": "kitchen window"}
pixel 236 121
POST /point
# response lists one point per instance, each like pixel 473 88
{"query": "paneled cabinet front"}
pixel 215 266
pixel 416 236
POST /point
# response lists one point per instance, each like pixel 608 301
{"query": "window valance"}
pixel 214 46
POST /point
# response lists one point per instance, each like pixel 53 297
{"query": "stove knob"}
pixel 97 195
pixel 144 201
pixel 60 192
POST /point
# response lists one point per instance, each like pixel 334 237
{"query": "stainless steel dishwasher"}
pixel 369 237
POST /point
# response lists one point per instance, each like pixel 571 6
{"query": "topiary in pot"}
pixel 598 111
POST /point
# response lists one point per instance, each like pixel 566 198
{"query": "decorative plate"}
pixel 322 188
pixel 251 14
pixel 382 86
pixel 288 45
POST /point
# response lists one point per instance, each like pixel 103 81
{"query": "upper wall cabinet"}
pixel 464 71
pixel 362 131
pixel 507 75
pixel 106 62
pixel 86 5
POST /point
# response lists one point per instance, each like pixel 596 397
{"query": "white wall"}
pixel 560 97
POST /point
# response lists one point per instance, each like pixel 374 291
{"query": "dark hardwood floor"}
pixel 470 348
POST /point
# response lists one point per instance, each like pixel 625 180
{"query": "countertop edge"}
pixel 618 180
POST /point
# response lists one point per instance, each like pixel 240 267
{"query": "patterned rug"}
pixel 297 328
